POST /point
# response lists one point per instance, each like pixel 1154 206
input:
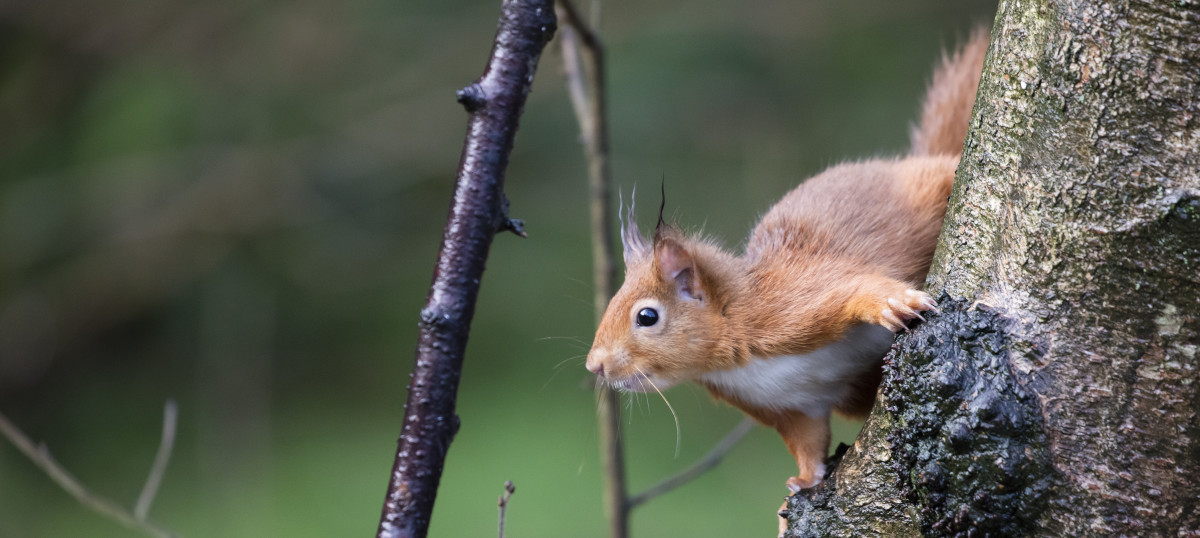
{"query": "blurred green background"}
pixel 237 205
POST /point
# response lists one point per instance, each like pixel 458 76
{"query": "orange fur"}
pixel 847 248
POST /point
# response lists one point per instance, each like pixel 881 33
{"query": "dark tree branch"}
pixel 495 103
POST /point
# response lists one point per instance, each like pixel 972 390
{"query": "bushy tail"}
pixel 946 112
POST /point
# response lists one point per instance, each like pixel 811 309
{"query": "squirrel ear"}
pixel 676 265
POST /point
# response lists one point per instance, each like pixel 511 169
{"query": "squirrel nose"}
pixel 594 365
pixel 596 368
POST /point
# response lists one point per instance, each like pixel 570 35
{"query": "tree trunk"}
pixel 1057 392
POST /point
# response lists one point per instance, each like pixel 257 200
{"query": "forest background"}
pixel 237 206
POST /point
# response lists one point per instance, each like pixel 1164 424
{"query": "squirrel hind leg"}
pixel 807 438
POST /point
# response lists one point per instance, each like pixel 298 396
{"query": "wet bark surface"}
pixel 968 446
pixel 1058 392
pixel 955 446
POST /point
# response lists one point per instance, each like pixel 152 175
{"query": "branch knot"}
pixel 472 97
pixel 506 224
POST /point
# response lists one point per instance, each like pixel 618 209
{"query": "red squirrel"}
pixel 797 325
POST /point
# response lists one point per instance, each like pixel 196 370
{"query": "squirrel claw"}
pixel 904 310
pixel 899 311
pixel 890 320
pixel 924 300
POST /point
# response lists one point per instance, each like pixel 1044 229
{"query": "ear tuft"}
pixel 634 246
pixel 676 265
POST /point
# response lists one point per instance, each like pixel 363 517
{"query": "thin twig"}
pixel 586 87
pixel 616 504
pixel 509 489
pixel 576 88
pixel 709 461
pixel 161 459
pixel 41 457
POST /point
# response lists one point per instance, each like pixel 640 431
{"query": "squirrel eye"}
pixel 647 317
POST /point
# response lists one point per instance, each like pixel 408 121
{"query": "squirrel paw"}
pixel 795 483
pixel 900 310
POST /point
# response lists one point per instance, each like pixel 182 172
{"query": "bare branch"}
pixel 612 454
pixel 509 489
pixel 576 86
pixel 586 87
pixel 709 461
pixel 494 102
pixel 583 68
pixel 41 457
pixel 165 446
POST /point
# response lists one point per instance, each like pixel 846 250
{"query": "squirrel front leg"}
pixel 886 301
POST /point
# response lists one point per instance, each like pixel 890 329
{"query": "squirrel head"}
pixel 667 322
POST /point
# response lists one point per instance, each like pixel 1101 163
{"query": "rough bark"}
pixel 1057 393
pixel 477 212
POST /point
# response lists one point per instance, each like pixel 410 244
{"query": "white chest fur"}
pixel 812 383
